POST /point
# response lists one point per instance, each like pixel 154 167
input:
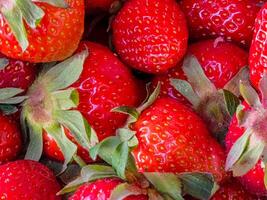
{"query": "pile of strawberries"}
pixel 133 99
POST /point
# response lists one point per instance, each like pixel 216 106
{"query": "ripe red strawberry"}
pixel 10 139
pixel 100 83
pixel 233 19
pixel 172 138
pixel 210 67
pixel 102 189
pixel 257 57
pixel 253 180
pixel 17 73
pixel 220 60
pixel 246 140
pixel 232 190
pixel 24 179
pixel 150 36
pixel 104 84
pixel 52 33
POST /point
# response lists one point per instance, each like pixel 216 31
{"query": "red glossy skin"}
pixel 17 74
pixel 232 190
pixel 21 180
pixel 10 139
pixel 56 37
pixel 172 138
pixel 104 84
pixel 220 60
pixel 253 181
pixel 101 189
pixel 233 19
pixel 258 51
pixel 150 36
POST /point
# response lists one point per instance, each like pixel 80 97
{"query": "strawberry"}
pixel 102 189
pixel 15 73
pixel 104 84
pixel 232 190
pixel 10 139
pixel 150 36
pixel 65 97
pixel 246 140
pixel 211 68
pixel 172 138
pixel 233 19
pixel 257 54
pixel 25 179
pixel 51 32
pixel 220 60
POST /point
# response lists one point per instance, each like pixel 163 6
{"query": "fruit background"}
pixel 133 99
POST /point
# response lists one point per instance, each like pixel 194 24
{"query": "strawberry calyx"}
pixel 9 99
pixel 155 185
pixel 251 146
pixel 215 106
pixel 50 107
pixel 17 11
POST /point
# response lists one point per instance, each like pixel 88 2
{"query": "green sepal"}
pixel 67 148
pixel 14 100
pixel 105 149
pixel 8 109
pixel 89 173
pixel 31 13
pixel 14 19
pixel 91 134
pixel 198 185
pixel 237 149
pixel 35 146
pixel 150 100
pixel 56 3
pixel 120 158
pixel 124 190
pixel 166 183
pixel 8 96
pixel 74 121
pixel 65 73
pixel 249 158
pixel 231 102
pixel 250 95
pixel 7 93
pixel 186 90
pixel 128 111
pixel 232 85
pixel 196 77
pixel 66 99
pixel 125 134
pixel 4 62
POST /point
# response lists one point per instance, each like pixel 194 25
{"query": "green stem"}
pixel 79 160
